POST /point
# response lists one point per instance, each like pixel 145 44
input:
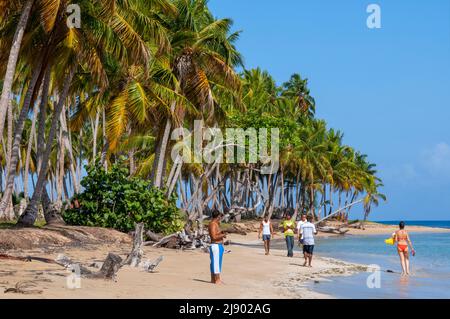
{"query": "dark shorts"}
pixel 308 249
pixel 266 237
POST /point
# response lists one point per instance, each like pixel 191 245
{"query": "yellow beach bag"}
pixel 389 241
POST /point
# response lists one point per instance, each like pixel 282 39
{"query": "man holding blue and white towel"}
pixel 216 249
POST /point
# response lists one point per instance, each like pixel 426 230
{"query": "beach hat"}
pixel 389 241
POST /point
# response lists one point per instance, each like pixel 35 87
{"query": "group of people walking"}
pixel 304 229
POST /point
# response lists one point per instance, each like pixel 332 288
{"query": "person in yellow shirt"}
pixel 289 227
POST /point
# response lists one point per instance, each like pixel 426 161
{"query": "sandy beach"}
pixel 247 272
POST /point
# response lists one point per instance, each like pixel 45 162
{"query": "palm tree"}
pixel 297 89
pixel 201 57
pixel 372 198
pixel 13 53
pixel 75 48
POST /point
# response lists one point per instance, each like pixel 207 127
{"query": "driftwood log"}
pixel 113 262
pixel 134 258
pixel 165 240
pixel 110 267
pixel 153 236
pixel 108 270
pixel 334 230
pixel 151 266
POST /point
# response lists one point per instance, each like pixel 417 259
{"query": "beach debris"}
pixel 185 239
pixel 23 287
pixel 110 267
pixel 336 230
pixel 151 266
pixel 27 258
pixel 166 240
pixel 96 264
pixel 134 258
pixel 153 236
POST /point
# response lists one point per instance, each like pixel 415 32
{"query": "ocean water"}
pixel 428 223
pixel 430 267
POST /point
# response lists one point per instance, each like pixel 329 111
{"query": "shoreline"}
pixel 247 272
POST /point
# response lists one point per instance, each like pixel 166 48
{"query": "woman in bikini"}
pixel 401 237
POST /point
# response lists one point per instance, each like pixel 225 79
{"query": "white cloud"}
pixel 408 171
pixel 437 159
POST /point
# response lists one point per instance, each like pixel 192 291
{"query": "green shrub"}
pixel 114 200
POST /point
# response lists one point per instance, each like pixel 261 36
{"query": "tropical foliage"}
pixel 117 87
pixel 113 199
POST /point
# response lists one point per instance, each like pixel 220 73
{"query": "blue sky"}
pixel 388 89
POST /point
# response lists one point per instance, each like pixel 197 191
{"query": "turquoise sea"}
pixel 430 267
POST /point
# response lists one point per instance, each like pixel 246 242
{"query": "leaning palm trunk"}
pixel 9 139
pixel 42 117
pixel 67 143
pixel 12 61
pixel 105 148
pixel 29 216
pixel 60 170
pixel 8 214
pixel 29 147
pixel 94 126
pixel 298 191
pixel 18 137
pixel 160 155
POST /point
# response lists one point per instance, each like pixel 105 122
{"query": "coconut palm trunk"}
pixel 42 117
pixel 94 135
pixel 29 216
pixel 60 169
pixel 18 137
pixel 104 156
pixel 29 147
pixel 67 143
pixel 12 61
pixel 161 150
pixel 9 138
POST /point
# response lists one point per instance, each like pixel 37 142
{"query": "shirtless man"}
pixel 216 249
pixel 401 237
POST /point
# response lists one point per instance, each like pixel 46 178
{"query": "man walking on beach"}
pixel 289 226
pixel 267 231
pixel 216 248
pixel 307 231
pixel 299 224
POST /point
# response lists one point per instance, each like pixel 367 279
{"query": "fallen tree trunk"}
pixel 153 236
pixel 28 258
pixel 109 268
pixel 165 240
pixel 335 230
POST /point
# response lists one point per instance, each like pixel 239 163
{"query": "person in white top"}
pixel 299 224
pixel 308 230
pixel 267 231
